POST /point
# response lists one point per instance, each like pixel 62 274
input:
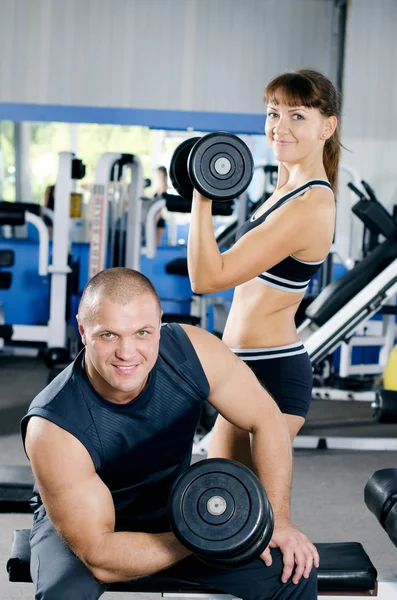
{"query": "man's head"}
pixel 161 180
pixel 119 320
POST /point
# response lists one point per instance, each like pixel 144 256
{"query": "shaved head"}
pixel 119 285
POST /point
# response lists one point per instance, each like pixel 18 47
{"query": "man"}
pixel 107 438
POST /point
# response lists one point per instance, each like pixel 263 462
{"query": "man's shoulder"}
pixel 172 343
pixel 177 349
pixel 177 341
pixel 57 396
pixel 67 402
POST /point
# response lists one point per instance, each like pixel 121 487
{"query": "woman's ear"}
pixel 331 124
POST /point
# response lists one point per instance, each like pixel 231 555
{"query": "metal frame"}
pixel 329 393
pixel 386 590
pixel 320 342
pixel 102 221
pixel 356 226
pixel 322 442
pixel 54 334
pixel 313 442
pixel 199 303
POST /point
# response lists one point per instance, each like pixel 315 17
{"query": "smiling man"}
pixel 108 437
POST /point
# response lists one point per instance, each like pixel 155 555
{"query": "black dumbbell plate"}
pixel 220 166
pixel 219 510
pixel 178 169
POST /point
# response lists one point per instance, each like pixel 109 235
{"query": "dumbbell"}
pixel 219 509
pixel 219 165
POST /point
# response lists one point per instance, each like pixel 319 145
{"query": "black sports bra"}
pixel 291 274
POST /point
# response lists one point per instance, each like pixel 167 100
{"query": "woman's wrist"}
pixel 200 198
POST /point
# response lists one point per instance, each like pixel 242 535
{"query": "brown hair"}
pixel 120 285
pixel 311 89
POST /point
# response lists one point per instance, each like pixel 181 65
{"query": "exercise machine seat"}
pixel 16 485
pixel 380 495
pixel 178 266
pixel 7 258
pixel 342 290
pixel 5 280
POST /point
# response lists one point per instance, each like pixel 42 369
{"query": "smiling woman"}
pixel 308 95
pixel 278 250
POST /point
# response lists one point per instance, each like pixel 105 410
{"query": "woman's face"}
pixel 296 132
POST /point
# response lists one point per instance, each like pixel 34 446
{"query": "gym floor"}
pixel 328 485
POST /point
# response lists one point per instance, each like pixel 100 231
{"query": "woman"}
pixel 279 249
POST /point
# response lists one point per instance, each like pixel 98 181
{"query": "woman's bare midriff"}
pixel 261 317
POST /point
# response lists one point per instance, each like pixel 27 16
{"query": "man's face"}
pixel 122 344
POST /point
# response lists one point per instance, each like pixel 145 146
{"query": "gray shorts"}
pixel 58 574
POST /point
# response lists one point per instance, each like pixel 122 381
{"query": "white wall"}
pixel 191 55
pixel 369 121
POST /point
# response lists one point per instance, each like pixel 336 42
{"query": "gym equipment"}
pixel 56 370
pixel 345 571
pixel 199 303
pixel 390 372
pixel 56 356
pixel 351 300
pixel 219 509
pixel 6 260
pixel 179 204
pixel 16 488
pixel 385 406
pixel 385 403
pixel 115 203
pixel 380 495
pixel 54 333
pixel 219 165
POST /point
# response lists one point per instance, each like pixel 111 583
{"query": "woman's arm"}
pixel 286 231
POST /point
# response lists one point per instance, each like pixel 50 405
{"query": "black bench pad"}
pixel 16 483
pixel 7 258
pixel 380 496
pixel 178 266
pixel 180 318
pixel 16 488
pixel 5 280
pixel 344 567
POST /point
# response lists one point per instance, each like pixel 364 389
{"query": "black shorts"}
pixel 285 372
pixel 160 223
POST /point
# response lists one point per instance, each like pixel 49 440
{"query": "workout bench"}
pixel 345 570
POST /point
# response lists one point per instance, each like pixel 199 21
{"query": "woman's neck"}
pixel 292 175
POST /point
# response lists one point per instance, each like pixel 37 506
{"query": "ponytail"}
pixel 331 159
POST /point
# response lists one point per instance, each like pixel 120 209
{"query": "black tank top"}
pixel 290 274
pixel 138 448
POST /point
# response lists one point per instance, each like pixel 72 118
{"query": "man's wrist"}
pixel 281 519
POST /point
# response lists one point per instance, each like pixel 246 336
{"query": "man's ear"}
pixel 81 330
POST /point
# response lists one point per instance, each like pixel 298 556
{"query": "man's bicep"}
pixel 76 500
